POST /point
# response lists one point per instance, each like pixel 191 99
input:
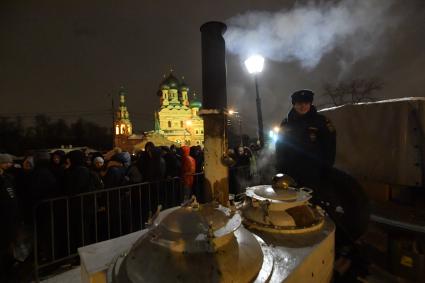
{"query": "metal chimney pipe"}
pixel 214 109
pixel 214 66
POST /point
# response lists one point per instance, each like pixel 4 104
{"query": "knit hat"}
pixel 5 158
pixel 98 160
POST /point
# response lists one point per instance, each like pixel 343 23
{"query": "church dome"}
pixel 195 104
pixel 171 81
pixel 184 86
pixel 163 86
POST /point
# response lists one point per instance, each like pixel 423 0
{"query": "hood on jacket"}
pixel 76 157
pixel 123 157
pixel 185 150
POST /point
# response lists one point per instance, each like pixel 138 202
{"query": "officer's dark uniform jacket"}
pixel 306 147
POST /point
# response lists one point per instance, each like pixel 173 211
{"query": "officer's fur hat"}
pixel 304 95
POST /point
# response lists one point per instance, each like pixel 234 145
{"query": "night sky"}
pixel 65 58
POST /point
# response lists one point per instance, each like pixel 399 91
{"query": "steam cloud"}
pixel 308 32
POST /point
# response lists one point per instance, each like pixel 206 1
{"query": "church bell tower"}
pixel 123 126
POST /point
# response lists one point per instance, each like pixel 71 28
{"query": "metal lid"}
pixel 278 199
pixel 289 194
pixel 186 220
pixel 280 208
pixel 189 222
pixel 193 244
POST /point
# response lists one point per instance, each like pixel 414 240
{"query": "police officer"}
pixel 307 142
pixel 305 151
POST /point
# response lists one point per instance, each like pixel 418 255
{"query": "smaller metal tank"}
pixel 281 208
pixel 192 243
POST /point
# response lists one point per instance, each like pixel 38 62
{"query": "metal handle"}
pixel 306 190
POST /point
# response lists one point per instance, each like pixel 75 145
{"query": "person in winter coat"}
pixel 43 183
pixel 77 175
pixel 23 184
pixel 306 146
pixel 242 159
pixel 198 155
pixel 116 172
pixel 133 174
pixel 96 172
pixel 57 166
pixel 115 177
pixel 188 169
pixel 8 216
pixel 172 162
pixel 78 180
pixel 152 164
pixel 198 182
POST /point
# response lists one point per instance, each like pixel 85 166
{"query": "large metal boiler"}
pixel 285 239
pixel 192 243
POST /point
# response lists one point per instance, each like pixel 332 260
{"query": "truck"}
pixel 382 145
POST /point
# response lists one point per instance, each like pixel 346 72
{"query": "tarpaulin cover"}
pixel 381 141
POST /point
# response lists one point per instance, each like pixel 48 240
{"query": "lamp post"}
pixel 237 116
pixel 254 65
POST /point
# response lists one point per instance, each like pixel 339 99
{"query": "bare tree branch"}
pixel 354 91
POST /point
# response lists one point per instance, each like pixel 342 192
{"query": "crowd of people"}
pixel 43 175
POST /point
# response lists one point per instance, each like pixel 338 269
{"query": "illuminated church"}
pixel 123 124
pixel 176 121
pixel 178 118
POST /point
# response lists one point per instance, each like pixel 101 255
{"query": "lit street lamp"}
pixel 254 65
pixel 274 134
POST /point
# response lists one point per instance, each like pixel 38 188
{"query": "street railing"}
pixel 63 224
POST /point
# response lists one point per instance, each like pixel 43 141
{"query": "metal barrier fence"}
pixel 63 224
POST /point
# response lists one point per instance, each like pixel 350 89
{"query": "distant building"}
pixel 123 135
pixel 178 118
pixel 176 121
